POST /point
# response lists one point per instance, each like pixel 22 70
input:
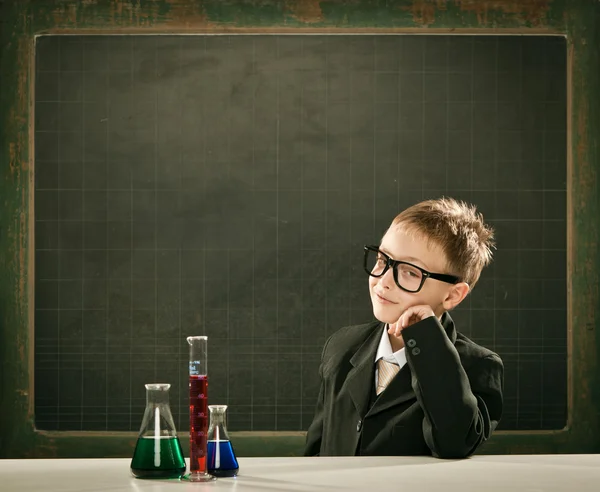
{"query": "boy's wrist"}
pixel 410 316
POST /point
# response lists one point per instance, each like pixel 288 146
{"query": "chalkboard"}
pixel 225 184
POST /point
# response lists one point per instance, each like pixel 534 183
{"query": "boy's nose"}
pixel 387 279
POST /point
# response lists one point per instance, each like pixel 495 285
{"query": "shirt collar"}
pixel 384 351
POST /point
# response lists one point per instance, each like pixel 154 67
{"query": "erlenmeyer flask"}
pixel 158 451
pixel 221 458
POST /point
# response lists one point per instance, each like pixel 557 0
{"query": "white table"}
pixel 541 473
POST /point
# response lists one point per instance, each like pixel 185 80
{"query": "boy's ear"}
pixel 456 295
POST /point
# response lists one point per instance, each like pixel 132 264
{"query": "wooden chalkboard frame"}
pixel 578 21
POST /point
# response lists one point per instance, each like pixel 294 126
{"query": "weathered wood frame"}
pixel 577 20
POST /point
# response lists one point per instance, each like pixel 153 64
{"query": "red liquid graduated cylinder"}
pixel 198 422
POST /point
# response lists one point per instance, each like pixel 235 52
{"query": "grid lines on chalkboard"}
pixel 154 156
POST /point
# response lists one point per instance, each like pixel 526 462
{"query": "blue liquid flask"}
pixel 221 457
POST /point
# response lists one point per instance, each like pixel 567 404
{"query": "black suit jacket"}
pixel 444 402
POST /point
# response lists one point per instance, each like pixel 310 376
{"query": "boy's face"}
pixel 390 301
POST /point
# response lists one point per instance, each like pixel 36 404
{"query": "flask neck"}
pixel 155 398
pixel 157 394
pixel 158 420
pixel 218 426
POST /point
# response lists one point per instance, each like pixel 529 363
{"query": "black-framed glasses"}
pixel 407 276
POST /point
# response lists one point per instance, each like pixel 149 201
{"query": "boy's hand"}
pixel 409 317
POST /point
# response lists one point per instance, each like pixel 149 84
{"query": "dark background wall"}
pixel 576 21
pixel 2 28
pixel 225 185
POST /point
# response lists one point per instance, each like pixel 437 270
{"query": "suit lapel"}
pixel 400 388
pixel 361 377
pixel 449 328
pixel 398 391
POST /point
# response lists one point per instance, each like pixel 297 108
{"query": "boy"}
pixel 409 383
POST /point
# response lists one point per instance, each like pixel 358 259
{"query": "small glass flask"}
pixel 221 457
pixel 158 452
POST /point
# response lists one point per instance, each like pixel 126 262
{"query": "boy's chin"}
pixel 388 316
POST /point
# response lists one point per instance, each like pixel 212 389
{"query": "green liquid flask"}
pixel 158 451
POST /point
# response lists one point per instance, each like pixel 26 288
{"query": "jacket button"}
pixel 416 351
pixel 411 343
pixel 359 426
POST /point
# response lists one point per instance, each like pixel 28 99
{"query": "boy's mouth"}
pixel 384 300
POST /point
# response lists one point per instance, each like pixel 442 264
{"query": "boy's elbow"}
pixel 452 446
pixel 453 454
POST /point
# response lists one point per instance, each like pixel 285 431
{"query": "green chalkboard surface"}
pixel 225 184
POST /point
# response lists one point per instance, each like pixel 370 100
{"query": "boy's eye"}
pixel 411 273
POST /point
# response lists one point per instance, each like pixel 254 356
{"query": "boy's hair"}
pixel 457 228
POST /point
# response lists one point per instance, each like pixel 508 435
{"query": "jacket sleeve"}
pixel 314 435
pixel 461 408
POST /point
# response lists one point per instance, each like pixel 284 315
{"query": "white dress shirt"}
pixel 384 351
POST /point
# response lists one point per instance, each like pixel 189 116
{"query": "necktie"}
pixel 385 373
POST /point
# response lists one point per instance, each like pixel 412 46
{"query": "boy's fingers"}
pixel 412 315
pixel 406 317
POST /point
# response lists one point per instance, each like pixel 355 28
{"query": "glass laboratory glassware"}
pixel 221 457
pixel 198 384
pixel 158 451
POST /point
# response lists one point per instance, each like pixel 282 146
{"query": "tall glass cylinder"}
pixel 198 384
